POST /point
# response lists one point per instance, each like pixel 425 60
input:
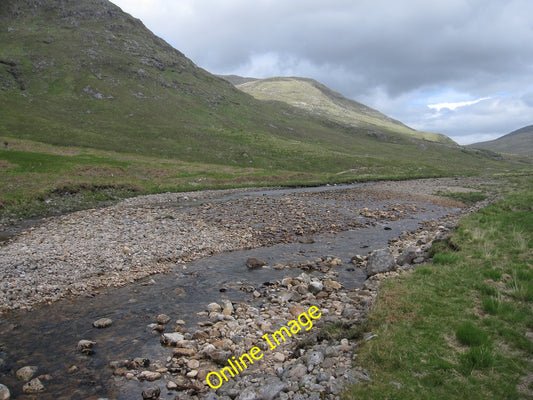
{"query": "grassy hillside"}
pixel 460 326
pixel 93 102
pixel 517 142
pixel 318 99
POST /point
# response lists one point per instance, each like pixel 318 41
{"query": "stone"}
pixel 357 259
pixel 152 393
pixel 163 319
pixel 313 359
pixel 408 255
pixel 102 323
pixel 86 346
pixel 33 386
pixel 183 352
pixel 193 364
pixel 349 311
pixel 278 357
pixel 315 286
pixel 250 394
pixel 219 356
pixel 150 376
pixel 322 377
pixel 254 263
pixel 26 373
pixel 272 389
pixel 140 362
pixel 295 371
pixel 172 385
pixel 171 339
pixel 332 285
pixel 214 307
pixel 5 394
pixel 419 260
pixel 296 310
pixel 380 261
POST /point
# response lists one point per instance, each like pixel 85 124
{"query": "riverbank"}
pixel 461 326
pixel 80 252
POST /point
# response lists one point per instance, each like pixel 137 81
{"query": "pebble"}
pixel 86 346
pixel 102 323
pixel 5 394
pixel 33 386
pixel 151 393
pixel 26 373
pixel 163 319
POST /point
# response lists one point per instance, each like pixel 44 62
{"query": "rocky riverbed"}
pixel 83 252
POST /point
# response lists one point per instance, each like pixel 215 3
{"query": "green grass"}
pixel 459 327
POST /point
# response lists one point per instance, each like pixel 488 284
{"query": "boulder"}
pixel 380 261
pixel 254 263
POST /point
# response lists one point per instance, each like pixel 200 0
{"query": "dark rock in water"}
pixel 26 373
pixel 140 362
pixel 171 339
pixel 33 386
pixel 388 228
pixel 380 261
pixel 152 393
pixel 254 263
pixel 86 346
pixel 102 323
pixel 163 319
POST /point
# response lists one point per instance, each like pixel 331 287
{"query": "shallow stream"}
pixel 48 335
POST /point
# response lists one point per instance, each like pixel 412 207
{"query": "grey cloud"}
pixel 372 50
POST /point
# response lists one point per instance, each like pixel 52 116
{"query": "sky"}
pixel 459 67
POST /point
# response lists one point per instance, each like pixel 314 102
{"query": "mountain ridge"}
pixel 316 98
pixel 86 74
pixel 518 142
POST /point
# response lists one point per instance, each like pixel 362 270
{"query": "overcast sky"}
pixel 459 67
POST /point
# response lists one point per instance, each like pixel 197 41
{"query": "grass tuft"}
pixel 470 335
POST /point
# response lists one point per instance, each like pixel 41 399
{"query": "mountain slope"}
pixel 517 142
pixel 318 99
pixel 83 73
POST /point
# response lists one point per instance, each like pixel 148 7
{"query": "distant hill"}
pixel 517 142
pixel 84 73
pixel 318 99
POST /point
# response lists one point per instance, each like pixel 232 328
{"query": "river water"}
pixel 47 336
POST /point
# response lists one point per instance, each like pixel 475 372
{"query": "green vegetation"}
pixel 460 327
pixel 318 99
pixel 517 142
pixel 115 111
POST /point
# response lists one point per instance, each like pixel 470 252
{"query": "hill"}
pixel 319 100
pixel 93 104
pixel 517 142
